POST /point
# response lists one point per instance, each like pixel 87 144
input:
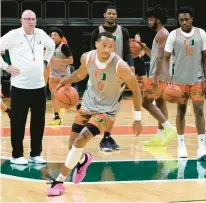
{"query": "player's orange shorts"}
pixel 148 86
pixel 53 82
pixel 99 120
pixel 195 92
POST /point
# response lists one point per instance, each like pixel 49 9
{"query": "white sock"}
pixel 61 178
pixel 160 132
pixel 181 140
pixel 82 159
pixel 73 157
pixel 166 124
pixel 201 140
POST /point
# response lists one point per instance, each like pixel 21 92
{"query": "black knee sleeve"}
pixel 93 129
pixel 77 128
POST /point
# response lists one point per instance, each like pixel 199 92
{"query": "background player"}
pixel 122 49
pixel 189 46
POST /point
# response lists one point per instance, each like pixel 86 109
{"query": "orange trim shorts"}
pixel 148 89
pixel 99 120
pixel 195 92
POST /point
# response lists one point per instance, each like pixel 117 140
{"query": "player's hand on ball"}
pixel 60 84
pixel 168 79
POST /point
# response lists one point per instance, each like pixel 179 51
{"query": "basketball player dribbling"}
pixel 47 70
pixel 122 49
pixel 188 44
pixel 59 68
pixel 100 104
pixel 154 85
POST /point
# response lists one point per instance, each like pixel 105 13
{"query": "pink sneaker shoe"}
pixel 80 173
pixel 57 188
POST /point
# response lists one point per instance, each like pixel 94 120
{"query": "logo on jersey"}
pixel 188 47
pixel 189 43
pixel 99 75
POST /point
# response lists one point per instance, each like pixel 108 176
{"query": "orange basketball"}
pixel 67 97
pixel 135 48
pixel 172 93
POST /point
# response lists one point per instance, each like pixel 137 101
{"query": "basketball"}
pixel 172 93
pixel 135 48
pixel 67 97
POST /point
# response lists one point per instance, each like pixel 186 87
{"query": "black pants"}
pixel 21 101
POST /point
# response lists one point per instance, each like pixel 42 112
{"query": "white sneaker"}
pixel 36 160
pixel 182 152
pixel 36 166
pixel 201 154
pixel 18 167
pixel 19 161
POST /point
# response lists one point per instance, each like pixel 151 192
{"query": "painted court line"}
pixel 117 130
pixel 107 182
pixel 116 160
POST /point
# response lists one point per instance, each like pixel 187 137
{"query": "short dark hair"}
pixel 185 9
pixel 57 30
pixel 110 7
pixel 159 13
pixel 105 34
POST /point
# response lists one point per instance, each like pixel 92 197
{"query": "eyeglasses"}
pixel 30 19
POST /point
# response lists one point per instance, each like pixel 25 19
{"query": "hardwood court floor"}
pixel 132 174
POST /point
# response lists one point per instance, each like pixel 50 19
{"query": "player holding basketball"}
pixel 59 68
pixel 100 105
pixel 139 61
pixel 122 49
pixel 189 46
pixel 154 85
pixel 140 70
pixel 47 70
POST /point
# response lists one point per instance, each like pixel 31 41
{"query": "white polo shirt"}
pixel 20 47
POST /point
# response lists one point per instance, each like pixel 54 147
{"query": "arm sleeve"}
pixel 49 45
pixel 126 48
pixel 203 36
pixel 170 42
pixel 66 50
pixel 94 38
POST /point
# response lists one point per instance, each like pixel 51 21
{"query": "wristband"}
pixel 138 115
